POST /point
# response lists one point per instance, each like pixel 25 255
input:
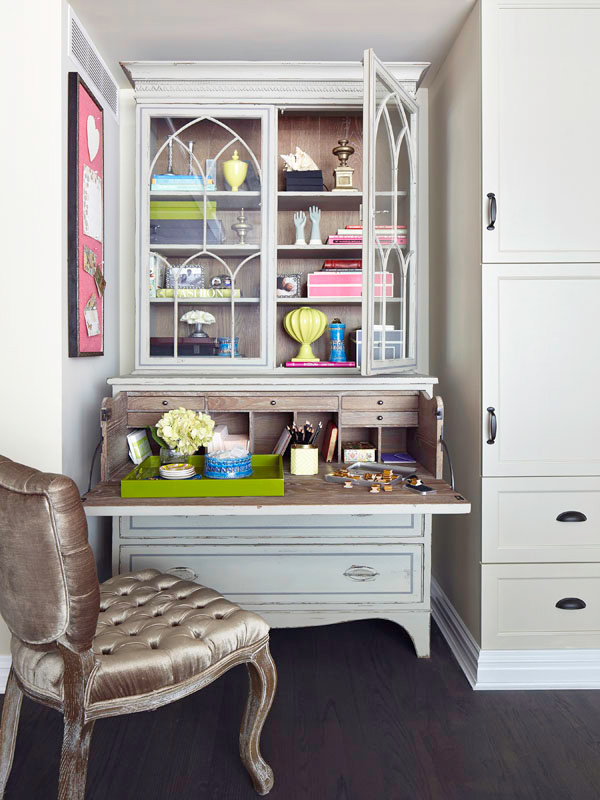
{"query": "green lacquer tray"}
pixel 266 481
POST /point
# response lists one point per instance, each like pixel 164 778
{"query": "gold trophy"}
pixel 343 174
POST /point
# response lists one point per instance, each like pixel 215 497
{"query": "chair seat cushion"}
pixel 155 631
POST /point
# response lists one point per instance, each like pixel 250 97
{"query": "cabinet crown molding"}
pixel 261 81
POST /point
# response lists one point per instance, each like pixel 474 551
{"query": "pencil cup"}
pixel 304 459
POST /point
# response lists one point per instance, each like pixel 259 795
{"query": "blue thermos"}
pixel 336 337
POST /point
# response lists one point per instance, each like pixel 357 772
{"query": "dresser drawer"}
pixel 387 419
pixel 272 402
pixel 519 606
pixel 380 402
pixel 541 519
pixel 165 402
pixel 280 575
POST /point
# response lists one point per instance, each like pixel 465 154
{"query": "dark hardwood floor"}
pixel 357 717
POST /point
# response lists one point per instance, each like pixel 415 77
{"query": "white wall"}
pixel 49 404
pixel 455 300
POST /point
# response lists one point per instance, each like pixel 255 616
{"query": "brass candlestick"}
pixel 242 228
pixel 343 174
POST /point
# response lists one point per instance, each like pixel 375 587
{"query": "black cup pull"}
pixel 492 212
pixel 570 604
pixel 571 516
pixel 493 425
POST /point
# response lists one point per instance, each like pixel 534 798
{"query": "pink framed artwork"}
pixel 86 282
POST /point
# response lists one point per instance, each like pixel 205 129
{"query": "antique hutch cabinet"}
pixel 231 249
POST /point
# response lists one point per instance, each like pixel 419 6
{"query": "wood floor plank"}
pixel 356 717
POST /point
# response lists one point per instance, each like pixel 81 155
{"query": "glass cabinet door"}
pixel 390 225
pixel 204 237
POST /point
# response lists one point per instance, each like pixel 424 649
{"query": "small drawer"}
pixel 165 402
pixel 386 419
pixel 273 402
pixel 540 606
pixel 267 577
pixel 541 519
pixel 380 402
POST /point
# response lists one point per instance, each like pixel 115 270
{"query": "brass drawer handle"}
pixel 361 573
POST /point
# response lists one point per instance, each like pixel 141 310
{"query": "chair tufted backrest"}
pixel 48 581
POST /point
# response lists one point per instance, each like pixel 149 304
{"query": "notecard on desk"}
pixel 397 458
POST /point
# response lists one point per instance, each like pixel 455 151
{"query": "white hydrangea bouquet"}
pixel 184 430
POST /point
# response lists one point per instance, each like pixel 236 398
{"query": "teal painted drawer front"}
pixel 338 528
pixel 244 575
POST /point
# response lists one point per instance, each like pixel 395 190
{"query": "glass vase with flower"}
pixel 180 433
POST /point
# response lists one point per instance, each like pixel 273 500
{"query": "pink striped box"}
pixel 344 284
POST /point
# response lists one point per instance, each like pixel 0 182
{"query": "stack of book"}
pixel 168 182
pixel 342 265
pixel 353 234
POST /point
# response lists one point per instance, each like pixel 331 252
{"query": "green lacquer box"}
pixel 266 481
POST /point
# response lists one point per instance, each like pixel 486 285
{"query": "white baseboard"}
pixel 5 662
pixel 512 669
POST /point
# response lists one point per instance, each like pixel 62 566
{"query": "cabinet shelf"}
pixel 317 250
pixel 225 200
pixel 190 249
pixel 334 201
pixel 329 301
pixel 195 300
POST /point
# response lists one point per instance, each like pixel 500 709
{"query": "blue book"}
pixel 397 458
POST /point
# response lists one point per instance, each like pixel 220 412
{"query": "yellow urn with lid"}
pixel 235 171
pixel 305 325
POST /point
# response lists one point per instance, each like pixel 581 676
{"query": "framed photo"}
pixel 85 177
pixel 289 285
pixel 190 277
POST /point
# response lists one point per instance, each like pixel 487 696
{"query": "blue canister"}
pixel 224 343
pixel 337 330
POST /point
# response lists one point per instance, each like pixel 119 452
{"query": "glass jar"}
pixel 170 456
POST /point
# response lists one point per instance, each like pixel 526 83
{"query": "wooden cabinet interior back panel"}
pixel 115 451
pixel 317 134
pixel 349 313
pixel 408 419
pixel 267 428
pixel 274 402
pixel 166 402
pixel 423 442
pixel 383 401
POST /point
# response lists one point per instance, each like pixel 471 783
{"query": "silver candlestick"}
pixel 169 156
pixel 190 147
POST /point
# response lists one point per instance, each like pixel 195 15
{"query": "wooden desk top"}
pixel 303 495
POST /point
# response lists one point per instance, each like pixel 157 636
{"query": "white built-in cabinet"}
pixel 541 369
pixel 537 228
pixel 540 123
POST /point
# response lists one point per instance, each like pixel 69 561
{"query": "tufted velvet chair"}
pixel 134 643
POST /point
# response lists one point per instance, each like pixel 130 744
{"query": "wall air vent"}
pixel 94 70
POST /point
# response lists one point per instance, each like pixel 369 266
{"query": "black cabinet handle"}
pixel 492 212
pixel 570 604
pixel 571 516
pixel 165 402
pixel 379 417
pixel 273 402
pixel 380 402
pixel 493 425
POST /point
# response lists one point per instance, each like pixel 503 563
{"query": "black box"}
pixel 307 181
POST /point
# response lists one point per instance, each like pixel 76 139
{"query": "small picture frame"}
pixel 289 285
pixel 190 277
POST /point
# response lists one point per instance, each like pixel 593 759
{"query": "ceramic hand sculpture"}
pixel 300 222
pixel 315 232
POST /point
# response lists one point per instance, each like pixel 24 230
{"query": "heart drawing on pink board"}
pixel 93 137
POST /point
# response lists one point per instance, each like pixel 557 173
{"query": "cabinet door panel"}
pixel 541 371
pixel 540 131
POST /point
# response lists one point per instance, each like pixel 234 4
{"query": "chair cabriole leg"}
pixel 263 682
pixel 11 711
pixel 74 758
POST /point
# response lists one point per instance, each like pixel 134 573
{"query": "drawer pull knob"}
pixel 570 604
pixel 379 417
pixel 380 402
pixel 165 402
pixel 185 573
pixel 273 402
pixel 358 573
pixel 571 516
